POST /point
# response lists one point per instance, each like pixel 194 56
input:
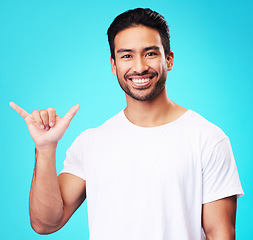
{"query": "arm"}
pixel 52 199
pixel 218 219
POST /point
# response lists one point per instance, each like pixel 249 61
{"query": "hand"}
pixel 45 126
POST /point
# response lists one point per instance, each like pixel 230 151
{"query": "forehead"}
pixel 137 37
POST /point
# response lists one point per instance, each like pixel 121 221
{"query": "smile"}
pixel 141 80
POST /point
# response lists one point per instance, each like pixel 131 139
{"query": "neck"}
pixel 152 113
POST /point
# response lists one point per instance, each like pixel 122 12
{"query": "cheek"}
pixel 163 67
pixel 122 69
pixel 158 65
pixel 159 68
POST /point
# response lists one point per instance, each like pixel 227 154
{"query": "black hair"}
pixel 135 17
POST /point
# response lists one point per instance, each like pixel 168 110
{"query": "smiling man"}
pixel 141 68
pixel 154 171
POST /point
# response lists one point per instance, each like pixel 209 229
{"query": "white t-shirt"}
pixel 150 183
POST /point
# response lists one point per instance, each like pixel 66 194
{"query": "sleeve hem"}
pixel 76 173
pixel 238 192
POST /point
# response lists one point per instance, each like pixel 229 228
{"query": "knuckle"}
pixel 39 121
pixel 44 116
pixel 51 109
pixel 43 112
pixel 35 112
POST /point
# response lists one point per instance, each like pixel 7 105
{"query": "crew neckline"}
pixel 129 123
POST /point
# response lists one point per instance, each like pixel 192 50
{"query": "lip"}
pixel 141 81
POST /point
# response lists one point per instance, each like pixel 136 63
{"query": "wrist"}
pixel 46 152
pixel 45 157
pixel 46 148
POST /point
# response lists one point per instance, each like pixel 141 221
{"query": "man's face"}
pixel 140 63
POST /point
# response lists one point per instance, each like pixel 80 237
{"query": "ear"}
pixel 170 60
pixel 113 66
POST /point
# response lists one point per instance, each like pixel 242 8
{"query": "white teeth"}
pixel 140 80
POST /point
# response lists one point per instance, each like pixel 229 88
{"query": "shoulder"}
pixel 201 123
pixel 207 133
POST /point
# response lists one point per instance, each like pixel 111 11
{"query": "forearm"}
pixel 45 205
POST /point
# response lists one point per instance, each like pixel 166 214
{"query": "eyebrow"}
pixel 151 48
pixel 124 50
pixel 121 50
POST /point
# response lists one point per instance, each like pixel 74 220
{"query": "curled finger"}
pixel 51 116
pixel 36 116
pixel 45 118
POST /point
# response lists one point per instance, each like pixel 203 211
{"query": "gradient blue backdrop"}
pixel 55 53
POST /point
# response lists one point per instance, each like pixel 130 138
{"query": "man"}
pixel 154 171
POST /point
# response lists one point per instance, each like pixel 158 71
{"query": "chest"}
pixel 143 162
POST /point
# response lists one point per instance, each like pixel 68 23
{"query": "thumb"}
pixel 71 113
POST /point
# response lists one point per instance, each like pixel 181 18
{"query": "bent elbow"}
pixel 39 229
pixel 43 229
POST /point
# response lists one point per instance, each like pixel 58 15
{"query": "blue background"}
pixel 55 53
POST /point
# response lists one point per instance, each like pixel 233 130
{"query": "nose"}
pixel 139 65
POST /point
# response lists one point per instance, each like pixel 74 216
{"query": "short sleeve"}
pixel 219 174
pixel 74 162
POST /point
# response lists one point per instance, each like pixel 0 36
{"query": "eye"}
pixel 126 56
pixel 151 54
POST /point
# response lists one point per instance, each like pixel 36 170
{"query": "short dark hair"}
pixel 139 16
